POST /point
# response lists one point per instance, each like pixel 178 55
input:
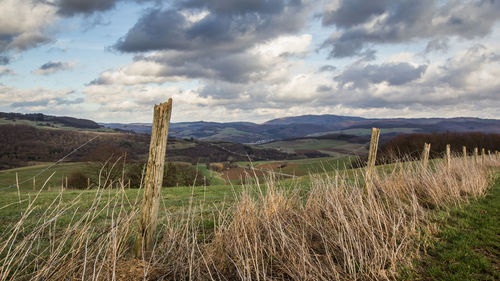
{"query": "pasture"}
pixel 208 222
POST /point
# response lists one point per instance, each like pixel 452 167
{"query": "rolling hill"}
pixel 316 125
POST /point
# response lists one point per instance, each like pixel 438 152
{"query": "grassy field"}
pixel 202 212
pixel 467 246
pixel 8 177
pixel 335 148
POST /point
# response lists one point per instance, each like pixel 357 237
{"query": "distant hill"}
pixel 42 120
pixel 316 125
pixel 326 119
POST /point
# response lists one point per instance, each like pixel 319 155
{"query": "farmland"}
pixel 236 195
pixel 208 206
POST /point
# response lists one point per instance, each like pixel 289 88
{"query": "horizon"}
pixel 261 123
pixel 255 60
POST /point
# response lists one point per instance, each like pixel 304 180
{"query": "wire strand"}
pixel 52 165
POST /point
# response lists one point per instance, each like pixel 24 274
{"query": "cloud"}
pixel 4 60
pixel 438 45
pixel 327 67
pixel 4 71
pixel 23 24
pixel 464 84
pixel 361 24
pixel 72 7
pixel 53 66
pixel 363 76
pixel 466 79
pixel 253 64
pixel 36 99
pixel 215 39
pixel 228 26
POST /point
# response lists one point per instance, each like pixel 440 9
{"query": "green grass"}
pixel 467 246
pixel 321 145
pixel 8 177
pixel 213 176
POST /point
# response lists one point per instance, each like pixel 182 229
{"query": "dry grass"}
pixel 335 232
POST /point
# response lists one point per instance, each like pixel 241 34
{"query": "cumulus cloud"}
pixel 4 60
pixel 464 84
pixel 214 40
pixel 363 76
pixel 23 24
pixel 361 23
pixel 35 99
pixel 227 26
pixel 72 7
pixel 327 67
pixel 4 71
pixel 466 78
pixel 438 45
pixel 254 64
pixel 53 66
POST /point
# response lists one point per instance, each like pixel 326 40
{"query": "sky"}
pixel 250 60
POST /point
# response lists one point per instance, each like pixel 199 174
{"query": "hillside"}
pixel 48 121
pixel 316 125
pixel 23 145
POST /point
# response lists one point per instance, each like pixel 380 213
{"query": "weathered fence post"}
pixel 482 156
pixel 448 156
pixel 476 160
pixel 34 184
pixel 425 155
pixel 464 150
pixel 489 154
pixel 153 179
pixel 372 157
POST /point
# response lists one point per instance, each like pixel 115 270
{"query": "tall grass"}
pixel 274 231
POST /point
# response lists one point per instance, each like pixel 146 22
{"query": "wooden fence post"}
pixel 372 157
pixel 464 150
pixel 476 160
pixel 448 156
pixel 489 154
pixel 482 156
pixel 34 184
pixel 425 155
pixel 153 179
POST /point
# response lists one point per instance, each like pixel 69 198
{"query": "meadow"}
pixel 317 227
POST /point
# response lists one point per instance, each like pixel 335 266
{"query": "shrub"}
pixel 77 180
pixel 182 174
